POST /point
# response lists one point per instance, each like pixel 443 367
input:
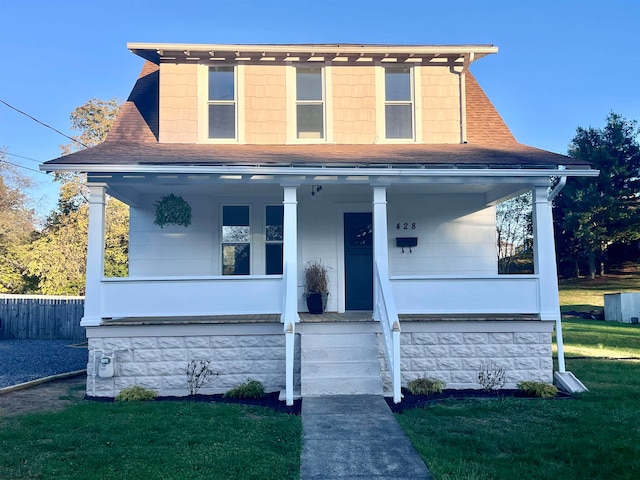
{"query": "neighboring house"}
pixel 296 153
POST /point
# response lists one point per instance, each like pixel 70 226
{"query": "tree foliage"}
pixel 16 226
pixel 92 120
pixel 594 213
pixel 57 256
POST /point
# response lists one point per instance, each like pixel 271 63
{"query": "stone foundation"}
pixel 156 357
pixel 453 352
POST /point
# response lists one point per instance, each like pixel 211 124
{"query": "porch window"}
pixel 273 237
pixel 398 102
pixel 309 103
pixel 222 102
pixel 236 240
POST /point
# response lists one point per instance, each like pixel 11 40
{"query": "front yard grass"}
pixel 594 435
pixel 151 440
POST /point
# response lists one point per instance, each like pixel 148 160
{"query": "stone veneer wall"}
pixel 156 357
pixel 453 351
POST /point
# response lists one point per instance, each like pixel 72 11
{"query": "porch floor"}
pixel 305 317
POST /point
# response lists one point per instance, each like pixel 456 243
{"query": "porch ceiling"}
pixel 131 188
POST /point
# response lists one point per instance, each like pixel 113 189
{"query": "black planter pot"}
pixel 314 303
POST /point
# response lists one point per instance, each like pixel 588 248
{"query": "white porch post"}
pixel 290 266
pixel 544 254
pixel 290 253
pixel 380 242
pixel 95 257
pixel 544 261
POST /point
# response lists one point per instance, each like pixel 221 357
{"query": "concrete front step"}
pixel 342 386
pixel 340 364
pixel 338 340
pixel 337 369
pixel 339 354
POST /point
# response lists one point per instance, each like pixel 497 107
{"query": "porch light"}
pixel 315 190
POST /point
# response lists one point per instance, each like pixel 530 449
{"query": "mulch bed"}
pixel 410 401
pixel 270 400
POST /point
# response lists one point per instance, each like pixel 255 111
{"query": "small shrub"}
pixel 425 386
pixel 538 389
pixel 198 374
pixel 249 389
pixel 136 394
pixel 491 375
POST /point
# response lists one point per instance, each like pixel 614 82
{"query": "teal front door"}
pixel 358 261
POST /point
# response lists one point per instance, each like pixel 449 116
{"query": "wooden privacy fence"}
pixel 41 317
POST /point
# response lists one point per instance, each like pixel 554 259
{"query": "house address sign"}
pixel 406 226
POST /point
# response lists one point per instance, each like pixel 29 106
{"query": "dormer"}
pixel 312 94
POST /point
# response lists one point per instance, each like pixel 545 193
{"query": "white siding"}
pixel 456 235
pixel 172 250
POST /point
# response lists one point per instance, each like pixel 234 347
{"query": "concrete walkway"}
pixel 355 437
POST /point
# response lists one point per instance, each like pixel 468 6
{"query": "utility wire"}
pixel 23 157
pixel 22 166
pixel 42 123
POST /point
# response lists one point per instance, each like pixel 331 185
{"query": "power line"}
pixel 42 123
pixel 23 157
pixel 22 166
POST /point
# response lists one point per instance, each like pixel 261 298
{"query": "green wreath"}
pixel 172 210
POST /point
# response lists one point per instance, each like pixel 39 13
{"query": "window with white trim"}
pixel 274 228
pixel 236 240
pixel 221 102
pixel 310 103
pixel 398 102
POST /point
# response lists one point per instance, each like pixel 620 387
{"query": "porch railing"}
pixel 453 294
pixel 385 311
pixel 191 296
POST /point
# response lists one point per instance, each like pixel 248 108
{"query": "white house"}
pixel 384 162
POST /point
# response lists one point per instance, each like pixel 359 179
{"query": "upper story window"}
pixel 222 103
pixel 398 103
pixel 310 109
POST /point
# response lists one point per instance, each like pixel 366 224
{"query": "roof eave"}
pixel 154 52
pixel 389 170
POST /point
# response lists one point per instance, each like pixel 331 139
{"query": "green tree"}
pixel 593 214
pixel 16 226
pixel 58 255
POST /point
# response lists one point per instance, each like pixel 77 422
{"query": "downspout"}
pixel 559 341
pixel 467 60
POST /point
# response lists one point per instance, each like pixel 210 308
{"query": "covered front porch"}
pixel 180 276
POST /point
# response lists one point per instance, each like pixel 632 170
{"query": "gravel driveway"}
pixel 25 360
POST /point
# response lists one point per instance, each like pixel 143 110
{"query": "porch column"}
pixel 380 241
pixel 544 254
pixel 95 257
pixel 290 269
pixel 290 253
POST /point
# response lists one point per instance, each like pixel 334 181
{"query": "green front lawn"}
pixel 151 440
pixel 595 435
pixel 586 295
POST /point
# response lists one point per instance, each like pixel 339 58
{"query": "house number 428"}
pixel 406 226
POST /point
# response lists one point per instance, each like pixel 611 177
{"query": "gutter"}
pixel 338 171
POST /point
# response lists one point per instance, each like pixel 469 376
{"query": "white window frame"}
pixel 292 103
pixel 416 101
pixel 203 103
pixel 271 242
pixel 222 243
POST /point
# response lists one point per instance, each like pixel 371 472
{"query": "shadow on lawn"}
pixel 410 401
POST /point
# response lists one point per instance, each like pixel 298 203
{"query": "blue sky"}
pixel 561 64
